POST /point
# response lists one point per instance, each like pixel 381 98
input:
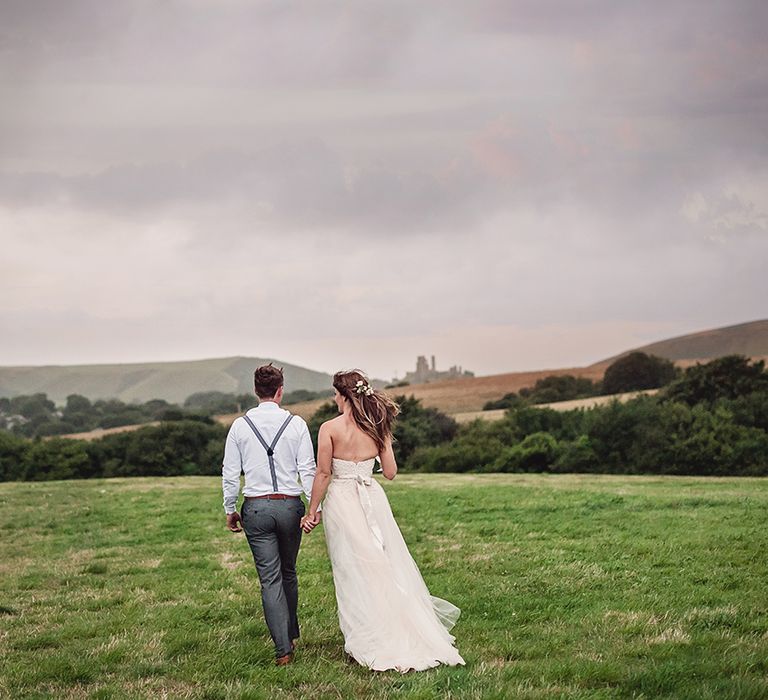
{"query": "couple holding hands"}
pixel 386 614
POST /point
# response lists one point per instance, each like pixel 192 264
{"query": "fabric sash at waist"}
pixel 362 483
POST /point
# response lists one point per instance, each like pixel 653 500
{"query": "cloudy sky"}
pixel 507 185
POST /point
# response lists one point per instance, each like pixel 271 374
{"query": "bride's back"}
pixel 349 442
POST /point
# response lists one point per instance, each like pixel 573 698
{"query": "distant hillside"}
pixel 461 395
pixel 464 395
pixel 750 339
pixel 172 381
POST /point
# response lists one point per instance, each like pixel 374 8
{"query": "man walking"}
pixel 274 450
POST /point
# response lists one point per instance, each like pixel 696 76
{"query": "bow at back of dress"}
pixel 346 469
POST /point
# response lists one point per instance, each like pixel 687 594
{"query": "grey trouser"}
pixel 273 530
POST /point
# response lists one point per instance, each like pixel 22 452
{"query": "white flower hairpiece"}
pixel 363 388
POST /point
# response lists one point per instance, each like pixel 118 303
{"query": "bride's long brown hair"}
pixel 372 412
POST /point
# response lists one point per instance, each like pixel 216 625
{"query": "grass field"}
pixel 570 586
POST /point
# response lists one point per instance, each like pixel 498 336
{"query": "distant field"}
pixel 463 395
pixel 101 432
pixel 456 396
pixel 570 587
pixel 498 414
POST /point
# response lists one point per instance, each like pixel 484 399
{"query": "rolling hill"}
pixel 749 339
pixel 457 396
pixel 172 381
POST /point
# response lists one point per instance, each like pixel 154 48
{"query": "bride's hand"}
pixel 310 521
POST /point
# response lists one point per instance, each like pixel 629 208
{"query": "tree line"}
pixel 180 447
pixel 35 415
pixel 712 419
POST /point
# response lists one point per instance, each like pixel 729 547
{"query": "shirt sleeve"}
pixel 305 461
pixel 230 471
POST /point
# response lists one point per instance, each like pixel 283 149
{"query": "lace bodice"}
pixel 346 469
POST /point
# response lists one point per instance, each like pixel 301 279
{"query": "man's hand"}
pixel 233 522
pixel 309 522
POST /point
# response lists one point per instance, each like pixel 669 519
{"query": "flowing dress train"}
pixel 387 616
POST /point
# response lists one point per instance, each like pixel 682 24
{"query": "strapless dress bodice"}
pixel 346 469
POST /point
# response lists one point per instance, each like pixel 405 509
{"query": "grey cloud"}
pixel 291 184
pixel 536 161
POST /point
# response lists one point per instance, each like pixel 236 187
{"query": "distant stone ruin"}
pixel 427 372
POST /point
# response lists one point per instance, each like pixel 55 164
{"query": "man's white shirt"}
pixel 293 456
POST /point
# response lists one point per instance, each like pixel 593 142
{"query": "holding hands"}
pixel 234 523
pixel 310 521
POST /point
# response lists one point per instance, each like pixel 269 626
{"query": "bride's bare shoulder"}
pixel 331 424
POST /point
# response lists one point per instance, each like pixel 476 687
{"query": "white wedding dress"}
pixel 388 618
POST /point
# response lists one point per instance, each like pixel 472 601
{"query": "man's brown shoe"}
pixel 284 660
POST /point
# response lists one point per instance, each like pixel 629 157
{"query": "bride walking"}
pixel 386 614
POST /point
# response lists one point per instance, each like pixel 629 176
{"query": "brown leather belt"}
pixel 273 497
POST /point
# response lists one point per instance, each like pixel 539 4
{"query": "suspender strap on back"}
pixel 270 448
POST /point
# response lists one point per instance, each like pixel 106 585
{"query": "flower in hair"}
pixel 363 388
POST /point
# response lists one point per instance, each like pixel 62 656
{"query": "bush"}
pixel 169 449
pixel 577 456
pixel 58 459
pixel 536 453
pixel 417 426
pixel 563 387
pixel 468 452
pixel 511 400
pixel 13 456
pixel 637 371
pixel 326 412
pixel 729 377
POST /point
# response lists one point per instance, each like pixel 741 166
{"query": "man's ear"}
pixel 279 394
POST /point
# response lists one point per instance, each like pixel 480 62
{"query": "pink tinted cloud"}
pixel 496 151
pixel 567 143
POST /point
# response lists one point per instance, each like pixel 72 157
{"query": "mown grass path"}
pixel 570 586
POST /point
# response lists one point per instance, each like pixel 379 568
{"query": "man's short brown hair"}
pixel 267 380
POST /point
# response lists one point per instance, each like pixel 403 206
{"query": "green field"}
pixel 570 586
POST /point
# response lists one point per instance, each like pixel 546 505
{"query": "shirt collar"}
pixel 267 405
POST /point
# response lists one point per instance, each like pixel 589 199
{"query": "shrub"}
pixel 577 456
pixel 536 453
pixel 13 456
pixel 560 387
pixel 637 371
pixel 58 459
pixel 728 377
pixel 511 400
pixel 464 454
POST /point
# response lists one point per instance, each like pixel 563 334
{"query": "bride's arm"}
pixel 388 463
pixel 323 474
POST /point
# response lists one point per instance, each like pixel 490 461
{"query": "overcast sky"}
pixel 507 185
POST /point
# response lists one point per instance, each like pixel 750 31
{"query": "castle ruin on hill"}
pixel 427 372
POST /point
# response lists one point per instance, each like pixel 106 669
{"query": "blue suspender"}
pixel 270 448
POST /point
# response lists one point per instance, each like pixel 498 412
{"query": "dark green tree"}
pixel 13 456
pixel 728 377
pixel 417 426
pixel 79 413
pixel 564 387
pixel 637 371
